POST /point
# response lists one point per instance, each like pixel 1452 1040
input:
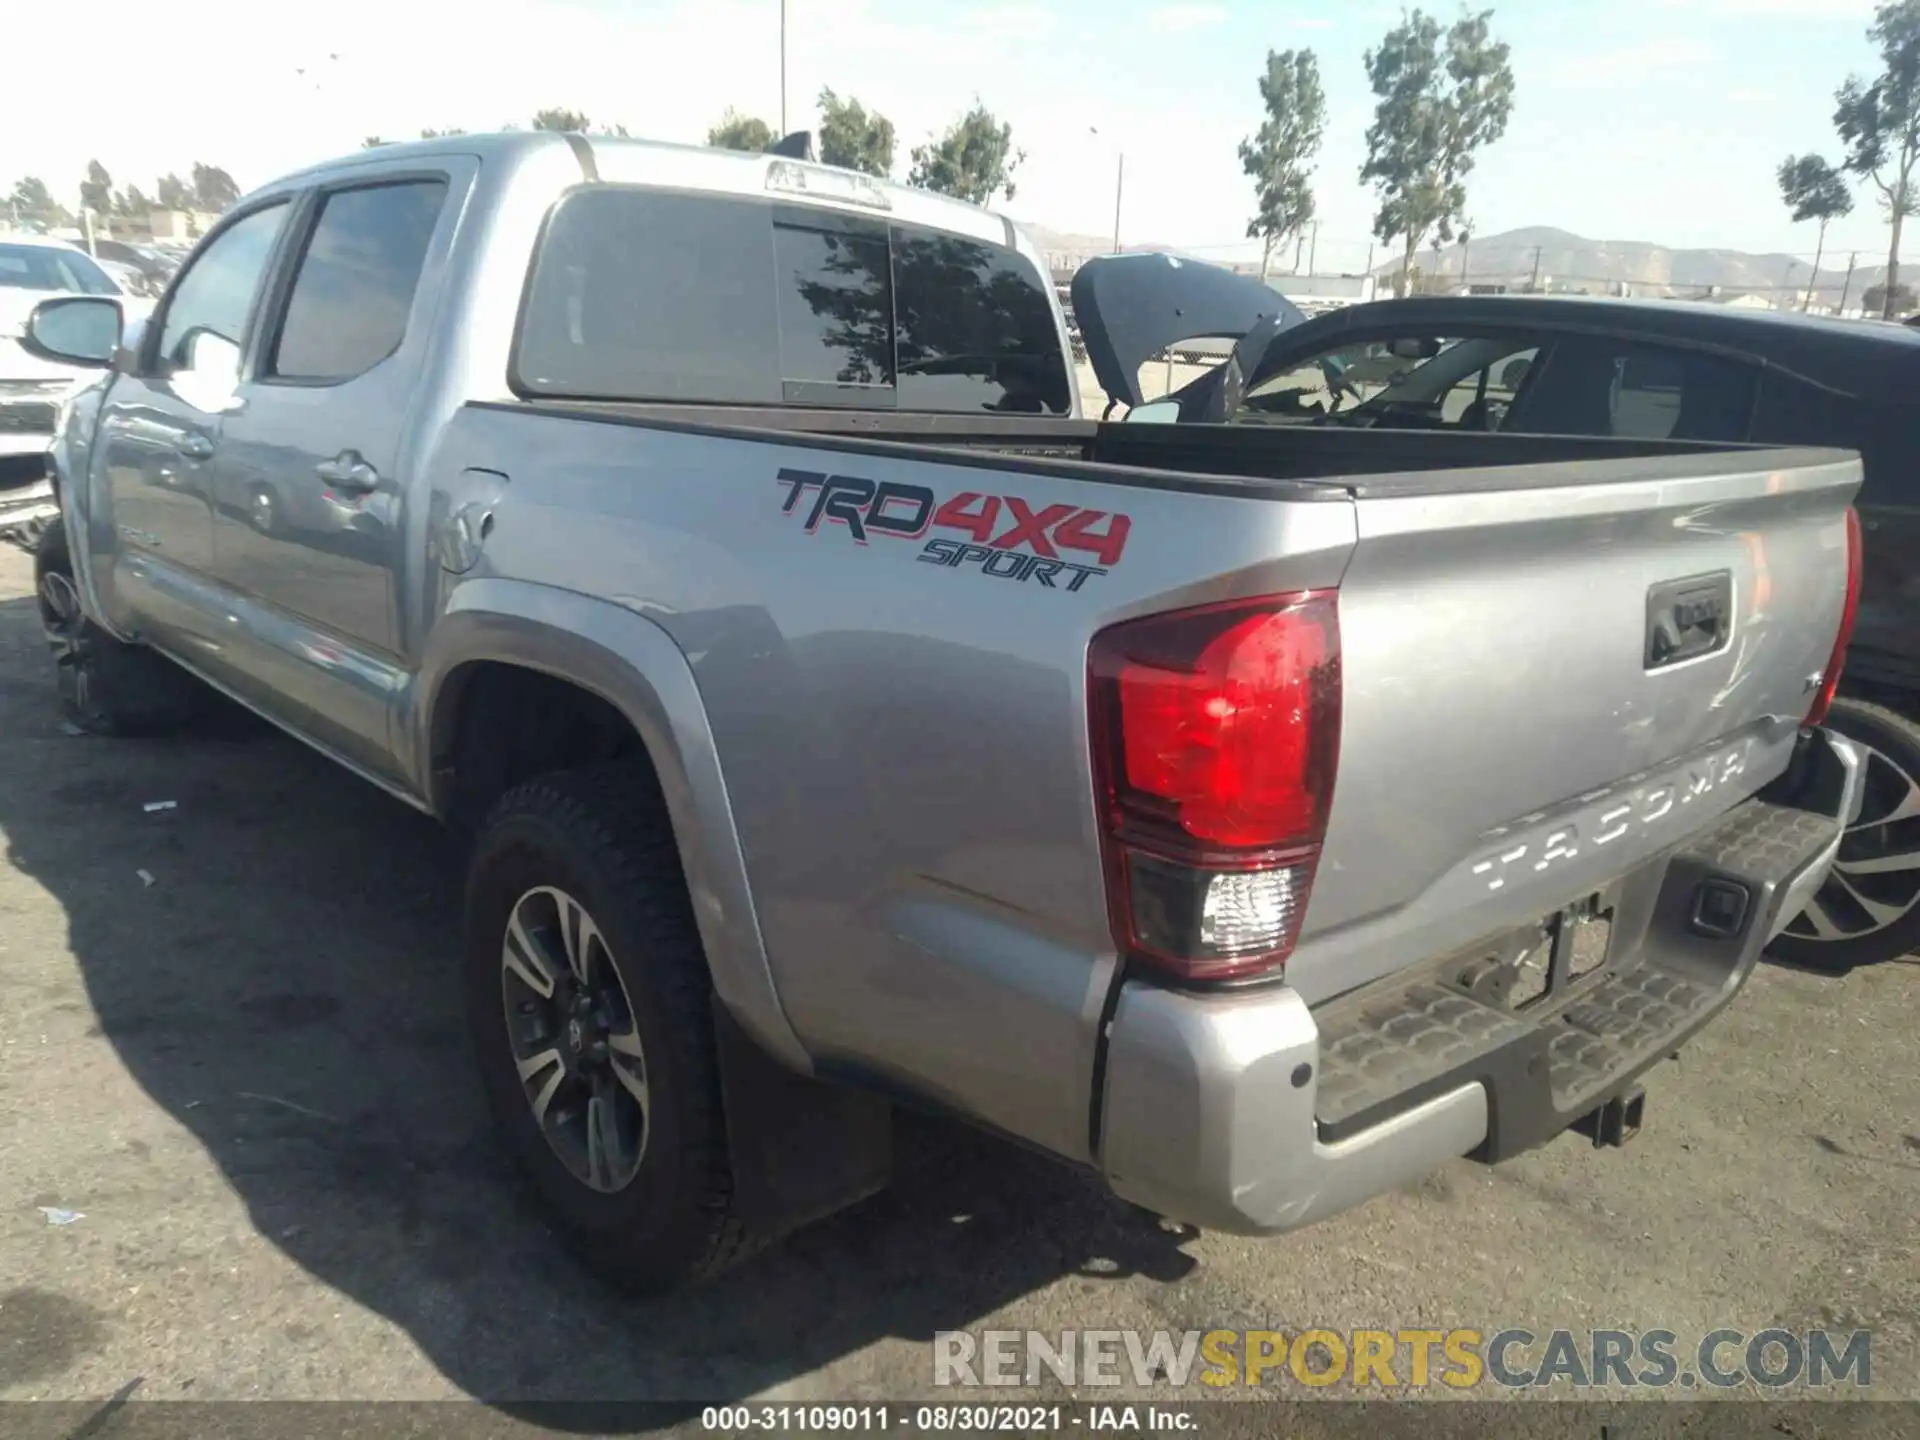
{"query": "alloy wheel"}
pixel 60 613
pixel 64 624
pixel 1876 879
pixel 575 1045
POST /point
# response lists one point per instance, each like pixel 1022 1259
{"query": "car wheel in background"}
pixel 1869 909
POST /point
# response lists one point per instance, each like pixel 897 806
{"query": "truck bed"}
pixel 1267 461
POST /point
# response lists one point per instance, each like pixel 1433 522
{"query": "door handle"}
pixel 347 471
pixel 194 447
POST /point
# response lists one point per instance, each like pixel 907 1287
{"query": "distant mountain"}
pixel 1568 262
pixel 1063 243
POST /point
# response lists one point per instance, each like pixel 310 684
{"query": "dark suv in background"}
pixel 1655 369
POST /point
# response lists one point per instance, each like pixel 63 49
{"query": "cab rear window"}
pixel 653 295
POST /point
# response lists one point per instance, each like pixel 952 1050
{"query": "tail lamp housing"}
pixel 1215 736
pixel 1849 611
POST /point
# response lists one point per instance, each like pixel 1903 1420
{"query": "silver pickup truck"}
pixel 1258 818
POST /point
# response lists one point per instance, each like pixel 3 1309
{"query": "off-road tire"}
pixel 106 687
pixel 1891 740
pixel 601 834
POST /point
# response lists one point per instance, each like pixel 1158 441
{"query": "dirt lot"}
pixel 250 1078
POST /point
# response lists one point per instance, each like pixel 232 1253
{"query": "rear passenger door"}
pixel 310 479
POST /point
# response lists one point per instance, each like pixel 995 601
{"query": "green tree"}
pixel 853 138
pixel 213 188
pixel 1879 122
pixel 132 204
pixel 175 194
pixel 572 121
pixel 1891 301
pixel 1279 156
pixel 974 161
pixel 444 134
pixel 740 132
pixel 1813 190
pixel 32 202
pixel 1442 96
pixel 96 191
pixel 373 142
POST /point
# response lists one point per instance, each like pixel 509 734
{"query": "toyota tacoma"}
pixel 1258 818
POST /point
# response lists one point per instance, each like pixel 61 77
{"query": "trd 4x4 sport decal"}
pixel 1006 537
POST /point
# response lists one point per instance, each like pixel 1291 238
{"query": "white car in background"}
pixel 32 391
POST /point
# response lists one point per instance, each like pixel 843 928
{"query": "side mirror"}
pixel 75 330
pixel 1414 349
pixel 1160 412
pixel 210 354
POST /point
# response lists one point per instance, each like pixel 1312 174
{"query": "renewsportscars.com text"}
pixel 1405 1359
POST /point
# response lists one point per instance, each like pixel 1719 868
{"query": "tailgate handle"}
pixel 1688 618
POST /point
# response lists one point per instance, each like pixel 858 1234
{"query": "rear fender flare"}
pixel 632 663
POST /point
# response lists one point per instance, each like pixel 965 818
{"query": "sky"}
pixel 1654 120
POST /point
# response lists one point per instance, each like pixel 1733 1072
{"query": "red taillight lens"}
pixel 1830 680
pixel 1215 737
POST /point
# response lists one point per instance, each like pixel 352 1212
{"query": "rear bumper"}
pixel 1254 1113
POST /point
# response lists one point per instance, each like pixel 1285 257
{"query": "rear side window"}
pixel 645 295
pixel 354 288
pixel 1794 412
pixel 1596 386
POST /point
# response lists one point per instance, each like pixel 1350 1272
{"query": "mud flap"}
pixel 801 1149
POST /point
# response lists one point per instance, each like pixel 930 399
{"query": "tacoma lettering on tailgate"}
pixel 1611 816
pixel 1007 537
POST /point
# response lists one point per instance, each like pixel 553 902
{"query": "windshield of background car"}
pixel 47 267
pixel 644 295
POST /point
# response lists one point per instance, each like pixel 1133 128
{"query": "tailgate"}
pixel 1513 736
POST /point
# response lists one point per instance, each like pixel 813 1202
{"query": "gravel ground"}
pixel 250 1078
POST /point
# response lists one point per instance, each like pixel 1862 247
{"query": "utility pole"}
pixel 1533 286
pixel 1313 251
pixel 1119 189
pixel 783 67
pixel 1847 288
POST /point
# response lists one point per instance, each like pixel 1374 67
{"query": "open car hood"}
pixel 1132 307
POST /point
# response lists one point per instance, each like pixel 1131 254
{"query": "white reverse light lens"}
pixel 1247 911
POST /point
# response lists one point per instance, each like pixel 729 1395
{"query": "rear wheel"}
pixel 591 1006
pixel 106 687
pixel 1869 909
